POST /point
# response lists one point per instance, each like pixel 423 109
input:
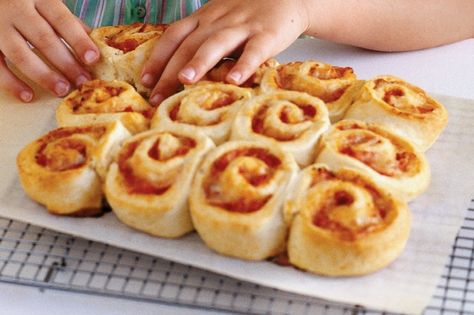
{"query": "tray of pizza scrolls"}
pixel 306 178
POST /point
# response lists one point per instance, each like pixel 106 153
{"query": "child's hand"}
pixel 42 23
pixel 190 47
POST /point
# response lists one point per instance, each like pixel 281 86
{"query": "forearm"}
pixel 396 25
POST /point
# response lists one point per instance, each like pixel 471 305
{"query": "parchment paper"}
pixel 405 286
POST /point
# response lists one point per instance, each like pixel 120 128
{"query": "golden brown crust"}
pixel 148 185
pixel 293 119
pixel 344 224
pixel 391 161
pixel 403 108
pixel 124 50
pixel 101 101
pixel 63 168
pixel 336 86
pixel 236 199
pixel 208 108
pixel 346 215
pixel 128 37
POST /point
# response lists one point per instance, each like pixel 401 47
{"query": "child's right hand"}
pixel 43 23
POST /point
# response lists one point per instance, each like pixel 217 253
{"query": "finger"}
pixel 43 37
pixel 20 54
pixel 74 33
pixel 168 82
pixel 219 45
pixel 10 83
pixel 84 26
pixel 257 50
pixel 164 49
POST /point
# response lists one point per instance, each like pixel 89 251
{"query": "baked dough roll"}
pixel 148 185
pixel 62 170
pixel 219 72
pixel 295 120
pixel 336 86
pixel 344 224
pixel 124 50
pixel 237 197
pixel 390 160
pixel 100 101
pixel 208 108
pixel 404 108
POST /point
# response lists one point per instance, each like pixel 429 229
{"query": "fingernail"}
pixel 81 79
pixel 26 96
pixel 188 73
pixel 235 77
pixel 61 88
pixel 90 56
pixel 147 79
pixel 156 99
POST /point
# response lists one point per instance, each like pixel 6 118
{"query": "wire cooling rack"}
pixel 38 257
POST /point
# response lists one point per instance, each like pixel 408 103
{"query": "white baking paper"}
pixel 405 286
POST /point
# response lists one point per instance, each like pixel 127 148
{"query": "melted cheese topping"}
pixel 324 81
pixel 203 106
pixel 345 204
pixel 328 72
pixel 404 97
pixel 381 153
pixel 284 119
pixel 68 148
pixel 150 164
pixel 242 180
pixel 134 35
pixel 98 97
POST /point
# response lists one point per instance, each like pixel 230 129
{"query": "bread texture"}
pixel 64 169
pixel 124 50
pixel 336 86
pixel 149 183
pixel 208 108
pixel 391 161
pixel 295 120
pixel 101 101
pixel 344 223
pixel 401 107
pixel 237 197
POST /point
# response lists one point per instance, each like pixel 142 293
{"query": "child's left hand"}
pixel 192 46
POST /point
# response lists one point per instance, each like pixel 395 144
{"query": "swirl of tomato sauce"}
pixel 137 185
pixel 329 72
pixel 243 204
pixel 308 113
pixel 404 97
pixel 289 78
pixel 97 97
pixel 339 197
pixel 91 95
pixel 134 35
pixel 209 100
pixel 368 147
pixel 60 151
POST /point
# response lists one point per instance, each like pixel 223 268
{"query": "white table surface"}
pixel 445 70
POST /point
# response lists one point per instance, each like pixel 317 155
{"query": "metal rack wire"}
pixel 34 256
